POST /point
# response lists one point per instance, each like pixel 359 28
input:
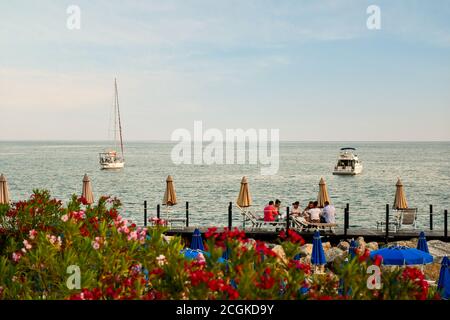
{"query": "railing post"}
pixel 431 217
pixel 145 213
pixel 345 221
pixel 387 222
pixel 187 214
pixel 445 225
pixel 158 211
pixel 348 215
pixel 287 219
pixel 230 216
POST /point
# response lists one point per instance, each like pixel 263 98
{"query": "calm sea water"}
pixel 59 167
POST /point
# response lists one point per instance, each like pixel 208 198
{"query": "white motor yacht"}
pixel 348 163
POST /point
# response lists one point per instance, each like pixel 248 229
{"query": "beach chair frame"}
pixel 257 222
pixel 402 217
pixel 300 224
pixel 406 217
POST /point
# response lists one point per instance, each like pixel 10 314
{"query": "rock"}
pixel 408 243
pixel 281 255
pixel 372 246
pixel 438 249
pixel 326 246
pixel 306 250
pixel 343 245
pixel 334 253
pixel 361 244
pixel 431 271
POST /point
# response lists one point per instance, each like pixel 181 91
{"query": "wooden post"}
pixel 187 214
pixel 145 213
pixel 348 215
pixel 387 223
pixel 287 219
pixel 230 215
pixel 431 217
pixel 158 211
pixel 446 225
pixel 345 221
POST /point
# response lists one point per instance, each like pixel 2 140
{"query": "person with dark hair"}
pixel 277 207
pixel 270 212
pixel 305 213
pixel 314 213
pixel 328 213
pixel 296 211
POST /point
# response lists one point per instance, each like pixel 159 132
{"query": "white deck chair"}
pixel 258 222
pixel 301 224
pixel 407 217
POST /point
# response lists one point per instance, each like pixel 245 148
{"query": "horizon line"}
pixel 170 141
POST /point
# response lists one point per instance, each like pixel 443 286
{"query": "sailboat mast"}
pixel 118 114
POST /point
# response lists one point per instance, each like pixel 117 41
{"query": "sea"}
pixel 59 166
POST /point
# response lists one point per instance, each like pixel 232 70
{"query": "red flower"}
pixel 364 256
pixel 262 248
pixel 83 201
pixel 266 280
pixel 378 260
pixel 212 232
pixel 416 276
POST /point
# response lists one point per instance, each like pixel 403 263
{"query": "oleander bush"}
pixel 42 242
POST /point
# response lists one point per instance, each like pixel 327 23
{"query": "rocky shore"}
pixel 438 249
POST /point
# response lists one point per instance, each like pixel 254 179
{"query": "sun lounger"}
pixel 300 224
pixel 403 217
pixel 258 222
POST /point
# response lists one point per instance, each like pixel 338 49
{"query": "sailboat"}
pixel 110 159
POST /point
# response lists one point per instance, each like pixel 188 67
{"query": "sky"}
pixel 311 69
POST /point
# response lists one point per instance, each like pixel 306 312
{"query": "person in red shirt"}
pixel 270 212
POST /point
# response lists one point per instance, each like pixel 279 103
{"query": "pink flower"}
pixel 161 260
pixel 16 256
pixel 27 245
pixel 201 258
pixel 95 245
pixel 132 236
pixel 65 218
pixel 32 234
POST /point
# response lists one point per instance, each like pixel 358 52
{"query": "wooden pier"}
pixel 333 237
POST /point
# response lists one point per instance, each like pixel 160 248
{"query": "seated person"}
pixel 270 212
pixel 305 213
pixel 277 207
pixel 328 213
pixel 296 211
pixel 314 213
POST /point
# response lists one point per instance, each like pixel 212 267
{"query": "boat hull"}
pixel 348 172
pixel 115 165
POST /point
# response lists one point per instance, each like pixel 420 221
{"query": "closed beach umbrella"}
pixel 87 190
pixel 323 193
pixel 352 248
pixel 444 279
pixel 318 255
pixel 170 197
pixel 422 243
pixel 400 256
pixel 4 192
pixel 197 241
pixel 400 198
pixel 244 199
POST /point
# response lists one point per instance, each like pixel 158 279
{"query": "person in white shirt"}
pixel 329 213
pixel 314 213
pixel 296 211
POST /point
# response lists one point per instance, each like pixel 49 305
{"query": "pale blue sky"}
pixel 311 69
